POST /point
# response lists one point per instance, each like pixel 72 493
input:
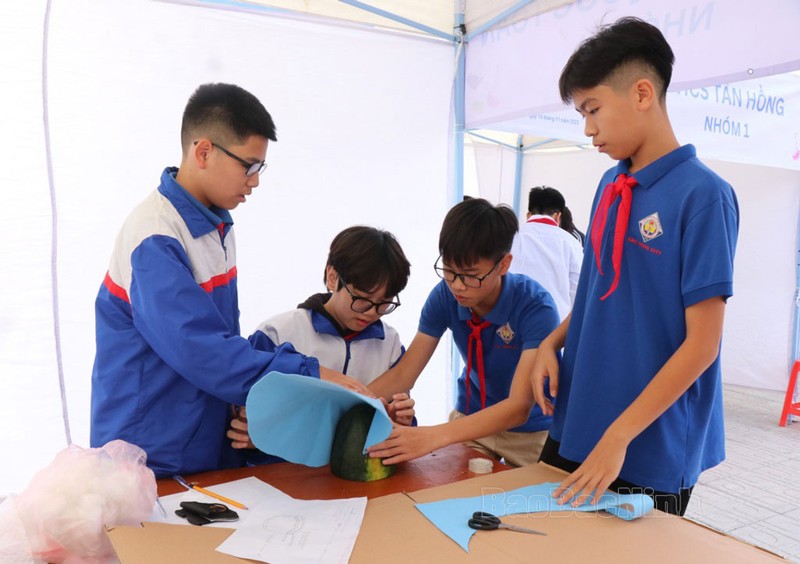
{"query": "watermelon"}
pixel 348 460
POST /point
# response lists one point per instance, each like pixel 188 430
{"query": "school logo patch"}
pixel 506 333
pixel 650 227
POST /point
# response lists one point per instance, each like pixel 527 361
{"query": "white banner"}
pixel 513 72
pixel 753 122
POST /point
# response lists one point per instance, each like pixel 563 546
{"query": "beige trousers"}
pixel 517 449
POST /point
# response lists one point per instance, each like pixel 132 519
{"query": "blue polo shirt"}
pixel 522 317
pixel 678 251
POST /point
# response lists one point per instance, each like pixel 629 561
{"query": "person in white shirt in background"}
pixel 545 252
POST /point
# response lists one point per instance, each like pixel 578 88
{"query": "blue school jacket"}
pixel 170 361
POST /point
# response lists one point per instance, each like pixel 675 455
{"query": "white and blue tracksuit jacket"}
pixel 170 360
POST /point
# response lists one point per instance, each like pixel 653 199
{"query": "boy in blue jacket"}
pixel 170 360
pixel 639 398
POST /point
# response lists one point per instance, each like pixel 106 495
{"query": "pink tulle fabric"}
pixel 69 504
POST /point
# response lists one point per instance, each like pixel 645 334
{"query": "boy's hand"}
pixel 593 477
pixel 405 443
pixel 344 381
pixel 240 438
pixel 545 367
pixel 401 409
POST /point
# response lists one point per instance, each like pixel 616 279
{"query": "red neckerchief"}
pixel 545 220
pixel 621 187
pixel 475 337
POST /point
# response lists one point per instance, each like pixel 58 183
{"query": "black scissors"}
pixel 482 521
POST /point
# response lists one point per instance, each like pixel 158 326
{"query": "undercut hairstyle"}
pixel 545 200
pixel 225 113
pixel 474 230
pixel 367 258
pixel 616 55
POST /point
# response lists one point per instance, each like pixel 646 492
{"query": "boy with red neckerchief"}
pixel 546 252
pixel 497 320
pixel 639 399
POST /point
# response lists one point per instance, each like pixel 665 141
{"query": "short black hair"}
pixel 545 200
pixel 474 230
pixel 368 258
pixel 226 113
pixel 628 41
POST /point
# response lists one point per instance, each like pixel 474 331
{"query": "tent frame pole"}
pixel 399 19
pixel 499 18
pixel 796 323
pixel 495 141
pixel 518 165
pixel 538 144
pixel 459 27
pixel 457 164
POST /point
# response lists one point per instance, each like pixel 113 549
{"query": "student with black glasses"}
pixel 343 328
pixel 498 320
pixel 170 360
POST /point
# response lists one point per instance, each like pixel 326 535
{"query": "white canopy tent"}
pixel 723 98
pixel 90 111
pixel 91 114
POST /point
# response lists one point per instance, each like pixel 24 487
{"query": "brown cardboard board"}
pixel 157 543
pixel 397 532
pixel 393 530
pixel 587 537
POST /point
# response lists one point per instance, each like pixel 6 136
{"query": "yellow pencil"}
pixel 222 498
pixel 219 497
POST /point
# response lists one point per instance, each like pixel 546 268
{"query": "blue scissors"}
pixel 482 521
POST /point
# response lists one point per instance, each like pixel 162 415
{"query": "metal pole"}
pixel 518 174
pixel 459 31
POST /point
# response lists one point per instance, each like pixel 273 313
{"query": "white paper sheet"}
pixel 296 531
pixel 278 528
pixel 251 491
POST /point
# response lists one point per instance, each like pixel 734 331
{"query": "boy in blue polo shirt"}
pixel 498 320
pixel 639 400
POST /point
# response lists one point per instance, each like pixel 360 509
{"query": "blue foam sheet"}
pixel 451 515
pixel 295 417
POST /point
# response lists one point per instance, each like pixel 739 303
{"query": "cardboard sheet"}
pixel 572 536
pixel 154 543
pixel 295 417
pixel 393 530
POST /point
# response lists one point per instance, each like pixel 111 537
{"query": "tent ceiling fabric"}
pixel 714 43
pixel 436 14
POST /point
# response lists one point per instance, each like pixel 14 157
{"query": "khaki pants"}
pixel 518 449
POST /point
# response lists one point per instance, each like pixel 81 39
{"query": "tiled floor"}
pixel 755 494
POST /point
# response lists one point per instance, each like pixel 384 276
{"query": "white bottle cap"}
pixel 480 465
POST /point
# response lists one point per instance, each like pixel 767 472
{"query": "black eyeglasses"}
pixel 468 280
pixel 251 168
pixel 363 305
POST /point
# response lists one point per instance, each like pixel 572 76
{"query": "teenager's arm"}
pixel 174 314
pixel 407 443
pixel 697 352
pixel 546 366
pixel 402 376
